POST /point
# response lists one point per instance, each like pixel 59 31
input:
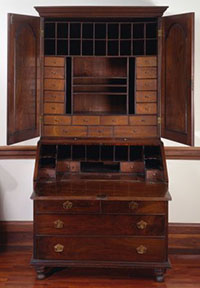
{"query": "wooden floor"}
pixel 15 271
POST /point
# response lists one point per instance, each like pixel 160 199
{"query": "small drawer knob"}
pixel 133 205
pixel 141 249
pixel 67 205
pixel 58 248
pixel 58 224
pixel 141 225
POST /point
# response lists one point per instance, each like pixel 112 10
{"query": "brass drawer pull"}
pixel 141 249
pixel 58 248
pixel 141 225
pixel 58 224
pixel 133 205
pixel 67 205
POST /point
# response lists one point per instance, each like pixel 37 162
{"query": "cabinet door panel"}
pixel 177 78
pixel 23 78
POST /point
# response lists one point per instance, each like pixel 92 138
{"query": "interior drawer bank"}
pixel 97 206
pixel 56 224
pixel 100 248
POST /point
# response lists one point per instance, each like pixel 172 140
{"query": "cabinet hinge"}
pixel 159 120
pixel 160 33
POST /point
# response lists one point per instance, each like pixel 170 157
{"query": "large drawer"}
pixel 51 224
pixel 100 248
pixel 134 207
pixel 59 206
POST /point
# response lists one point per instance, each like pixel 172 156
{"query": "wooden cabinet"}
pixel 100 90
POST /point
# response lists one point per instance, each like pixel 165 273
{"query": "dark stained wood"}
pixel 177 78
pixel 23 78
pixel 95 11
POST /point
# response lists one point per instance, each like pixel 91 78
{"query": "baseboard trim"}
pixel 183 238
pixel 29 152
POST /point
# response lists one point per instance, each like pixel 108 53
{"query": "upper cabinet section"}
pixel 23 77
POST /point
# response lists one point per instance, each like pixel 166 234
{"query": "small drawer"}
pixel 54 72
pixel 47 173
pixel 85 120
pixel 114 120
pixel 143 120
pixel 132 167
pixel 154 175
pixel 54 84
pixel 57 120
pixel 135 131
pixel 146 72
pixel 147 84
pixel 53 108
pixel 134 207
pixel 67 206
pixel 67 166
pixel 54 61
pixel 71 131
pixel 100 248
pixel 54 96
pixel 102 225
pixel 146 108
pixel 100 131
pixel 147 61
pixel 146 96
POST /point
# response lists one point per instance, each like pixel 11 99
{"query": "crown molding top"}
pixel 101 11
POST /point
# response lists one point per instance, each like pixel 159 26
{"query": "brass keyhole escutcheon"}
pixel 58 224
pixel 58 248
pixel 133 205
pixel 67 205
pixel 141 225
pixel 141 249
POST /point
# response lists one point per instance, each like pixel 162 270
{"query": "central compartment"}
pixel 100 85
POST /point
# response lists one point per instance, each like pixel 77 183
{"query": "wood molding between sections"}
pixel 183 238
pixel 29 152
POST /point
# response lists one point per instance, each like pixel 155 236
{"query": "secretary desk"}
pixel 101 86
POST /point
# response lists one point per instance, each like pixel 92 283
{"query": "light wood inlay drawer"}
pixel 147 84
pixel 54 61
pixel 135 131
pixel 54 84
pixel 132 167
pixel 146 96
pixel 57 120
pixel 54 72
pixel 100 225
pixel 100 131
pixel 146 108
pixel 71 131
pixel 114 120
pixel 67 206
pixel 134 207
pixel 85 120
pixel 146 61
pixel 101 248
pixel 53 108
pixel 54 96
pixel 143 120
pixel 146 72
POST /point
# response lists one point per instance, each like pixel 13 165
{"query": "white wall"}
pixel 16 175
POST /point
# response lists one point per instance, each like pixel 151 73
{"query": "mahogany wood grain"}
pixel 114 120
pixel 69 131
pixel 146 96
pixel 100 131
pixel 146 84
pixel 57 120
pixel 54 96
pixel 54 84
pixel 143 120
pixel 54 108
pixel 132 167
pixel 54 61
pixel 146 108
pixel 146 72
pixel 135 131
pixel 85 120
pixel 54 72
pixel 147 61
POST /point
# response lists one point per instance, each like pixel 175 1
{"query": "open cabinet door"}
pixel 177 78
pixel 23 78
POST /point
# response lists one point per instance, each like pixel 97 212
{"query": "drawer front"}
pixel 54 96
pixel 100 248
pixel 146 61
pixel 100 131
pixel 57 120
pixel 135 131
pixel 114 120
pixel 134 207
pixel 54 72
pixel 132 167
pixel 101 225
pixel 146 72
pixel 154 175
pixel 54 84
pixel 71 131
pixel 85 120
pixel 143 120
pixel 67 166
pixel 67 206
pixel 146 96
pixel 147 84
pixel 54 108
pixel 54 61
pixel 146 108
